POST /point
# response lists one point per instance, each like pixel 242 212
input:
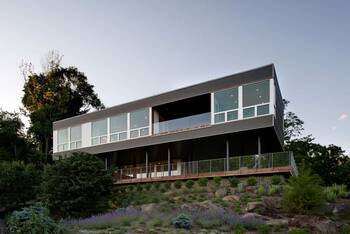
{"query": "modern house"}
pixel 223 127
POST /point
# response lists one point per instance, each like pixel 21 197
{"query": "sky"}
pixel 133 49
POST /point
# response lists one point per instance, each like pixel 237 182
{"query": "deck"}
pixel 264 164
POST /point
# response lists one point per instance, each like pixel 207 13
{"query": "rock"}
pixel 325 226
pixel 272 203
pixel 231 198
pixel 277 222
pixel 221 192
pixel 251 206
pixel 341 209
pixel 147 208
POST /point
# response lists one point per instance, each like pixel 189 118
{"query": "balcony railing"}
pixel 202 168
pixel 182 124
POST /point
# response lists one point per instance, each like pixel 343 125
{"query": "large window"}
pixel 62 140
pixel 226 105
pixel 119 127
pixel 99 132
pixel 139 123
pixel 75 137
pixel 255 97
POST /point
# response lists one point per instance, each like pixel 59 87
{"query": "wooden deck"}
pixel 242 172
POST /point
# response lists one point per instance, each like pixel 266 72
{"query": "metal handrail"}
pixel 236 163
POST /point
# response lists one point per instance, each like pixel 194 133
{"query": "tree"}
pixel 19 184
pixel 56 93
pixel 293 125
pixel 14 145
pixel 77 186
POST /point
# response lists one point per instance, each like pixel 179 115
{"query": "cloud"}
pixel 343 116
pixel 334 128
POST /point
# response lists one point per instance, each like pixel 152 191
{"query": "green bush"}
pixel 234 181
pixel 189 184
pixel 139 188
pixel 276 180
pixel 19 184
pixel 344 230
pixel 303 193
pixel 264 229
pixel 203 182
pixel 217 180
pixel 261 190
pixel 178 184
pixel 34 220
pixel 77 186
pixel 167 185
pixel 339 190
pixel 329 194
pixel 131 188
pixel 147 186
pixel 275 189
pixel 239 229
pixel 299 231
pixel 156 185
pixel 251 181
pixel 182 221
pixel 240 187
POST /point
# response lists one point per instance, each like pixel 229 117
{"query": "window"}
pixel 75 137
pixel 139 123
pixel 256 93
pixel 62 140
pixel 118 127
pixel 226 100
pixel 99 132
pixel 249 112
pixel 263 109
pixel 225 105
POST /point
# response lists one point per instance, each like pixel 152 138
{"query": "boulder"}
pixel 231 198
pixel 272 203
pixel 221 192
pixel 341 209
pixel 277 222
pixel 251 206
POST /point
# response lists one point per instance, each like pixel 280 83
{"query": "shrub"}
pixel 77 186
pixel 344 230
pixel 239 229
pixel 234 181
pixel 217 180
pixel 156 185
pixel 139 188
pixel 148 186
pixel 264 229
pixel 339 190
pixel 203 182
pixel 299 231
pixel 276 180
pixel 167 185
pixel 19 184
pixel 303 193
pixel 240 187
pixel 182 221
pixel 189 184
pixel 275 189
pixel 34 219
pixel 178 184
pixel 329 194
pixel 261 190
pixel 251 181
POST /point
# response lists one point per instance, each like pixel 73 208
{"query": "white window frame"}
pixel 65 143
pixel 100 136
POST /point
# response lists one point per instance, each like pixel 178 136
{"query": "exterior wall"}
pixel 275 114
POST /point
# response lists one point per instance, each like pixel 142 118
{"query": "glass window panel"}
pixel 144 132
pixel 78 144
pixel 114 137
pixel 65 146
pixel 73 145
pixel 75 133
pixel 95 141
pixel 249 112
pixel 119 123
pixel 103 139
pixel 99 128
pixel 232 115
pixel 123 136
pixel 256 93
pixel 62 136
pixel 60 148
pixel 263 110
pixel 139 119
pixel 218 118
pixel 226 100
pixel 134 133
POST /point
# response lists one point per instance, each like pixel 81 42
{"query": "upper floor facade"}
pixel 239 102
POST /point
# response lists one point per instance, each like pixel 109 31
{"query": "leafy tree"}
pixel 293 125
pixel 56 93
pixel 19 184
pixel 14 145
pixel 303 193
pixel 77 186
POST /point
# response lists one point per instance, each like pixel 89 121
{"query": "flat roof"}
pixel 253 75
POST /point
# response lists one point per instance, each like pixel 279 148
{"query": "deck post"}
pixel 169 166
pixel 147 164
pixel 227 155
pixel 106 163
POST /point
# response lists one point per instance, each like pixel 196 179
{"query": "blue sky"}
pixel 133 49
